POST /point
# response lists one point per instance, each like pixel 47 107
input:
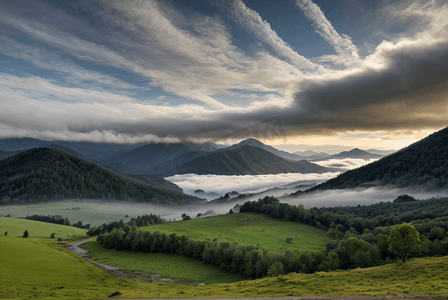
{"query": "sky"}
pixel 297 74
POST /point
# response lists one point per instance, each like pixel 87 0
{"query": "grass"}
pixel 166 265
pixel 38 270
pixel 417 277
pixel 33 269
pixel 266 232
pixel 39 230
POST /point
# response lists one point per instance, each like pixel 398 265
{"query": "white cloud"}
pixel 343 45
pixel 332 198
pixel 346 163
pixel 249 20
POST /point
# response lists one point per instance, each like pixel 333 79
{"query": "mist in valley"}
pixel 354 197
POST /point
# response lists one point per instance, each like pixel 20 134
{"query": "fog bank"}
pixel 215 186
pixel 354 197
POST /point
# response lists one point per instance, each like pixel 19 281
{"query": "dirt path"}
pixel 122 273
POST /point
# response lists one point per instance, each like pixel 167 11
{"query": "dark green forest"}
pixel 423 164
pixel 42 174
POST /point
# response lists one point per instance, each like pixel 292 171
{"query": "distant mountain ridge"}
pixel 93 151
pixel 354 153
pixel 42 174
pixel 133 161
pixel 423 164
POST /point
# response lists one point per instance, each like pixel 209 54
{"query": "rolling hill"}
pixel 423 164
pixel 42 174
pixel 245 160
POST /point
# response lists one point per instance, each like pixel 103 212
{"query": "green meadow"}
pixel 40 270
pixel 32 269
pixel 38 230
pixel 166 265
pixel 250 229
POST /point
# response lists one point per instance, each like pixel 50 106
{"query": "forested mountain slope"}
pixel 423 164
pixel 246 160
pixel 42 174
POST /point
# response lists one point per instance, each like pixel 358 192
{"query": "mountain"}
pixel 15 144
pixel 423 164
pixel 42 174
pixel 246 160
pixel 156 158
pixel 354 153
pixel 68 150
pixel 92 151
pixel 4 154
pixel 381 152
pixel 256 143
pixel 310 154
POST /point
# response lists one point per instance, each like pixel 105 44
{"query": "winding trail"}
pixel 122 273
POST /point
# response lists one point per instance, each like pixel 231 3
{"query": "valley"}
pixel 243 235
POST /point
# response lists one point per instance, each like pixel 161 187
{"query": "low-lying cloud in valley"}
pixel 354 197
pixel 215 186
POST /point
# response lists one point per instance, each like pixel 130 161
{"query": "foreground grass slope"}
pixel 166 265
pixel 37 270
pixel 250 229
pixel 38 230
pixel 34 269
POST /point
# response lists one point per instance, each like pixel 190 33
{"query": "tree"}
pixel 25 234
pixel 404 240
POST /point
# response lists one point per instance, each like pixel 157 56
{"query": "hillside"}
pixel 245 160
pixel 256 143
pixel 249 229
pixel 154 158
pixel 42 174
pixel 423 164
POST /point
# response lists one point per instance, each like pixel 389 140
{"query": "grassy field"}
pixel 40 270
pixel 266 232
pixel 34 269
pixel 416 277
pixel 38 230
pixel 166 265
pixel 93 212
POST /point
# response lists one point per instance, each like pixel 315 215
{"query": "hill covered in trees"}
pixel 42 174
pixel 423 164
pixel 245 160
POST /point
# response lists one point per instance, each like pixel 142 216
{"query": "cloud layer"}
pixel 151 71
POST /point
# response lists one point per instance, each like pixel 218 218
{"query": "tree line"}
pixel 57 219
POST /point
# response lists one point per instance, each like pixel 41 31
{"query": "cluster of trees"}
pixel 56 220
pixel 134 223
pixel 372 224
pixel 251 261
pixel 423 164
pixel 42 174
pixel 256 262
